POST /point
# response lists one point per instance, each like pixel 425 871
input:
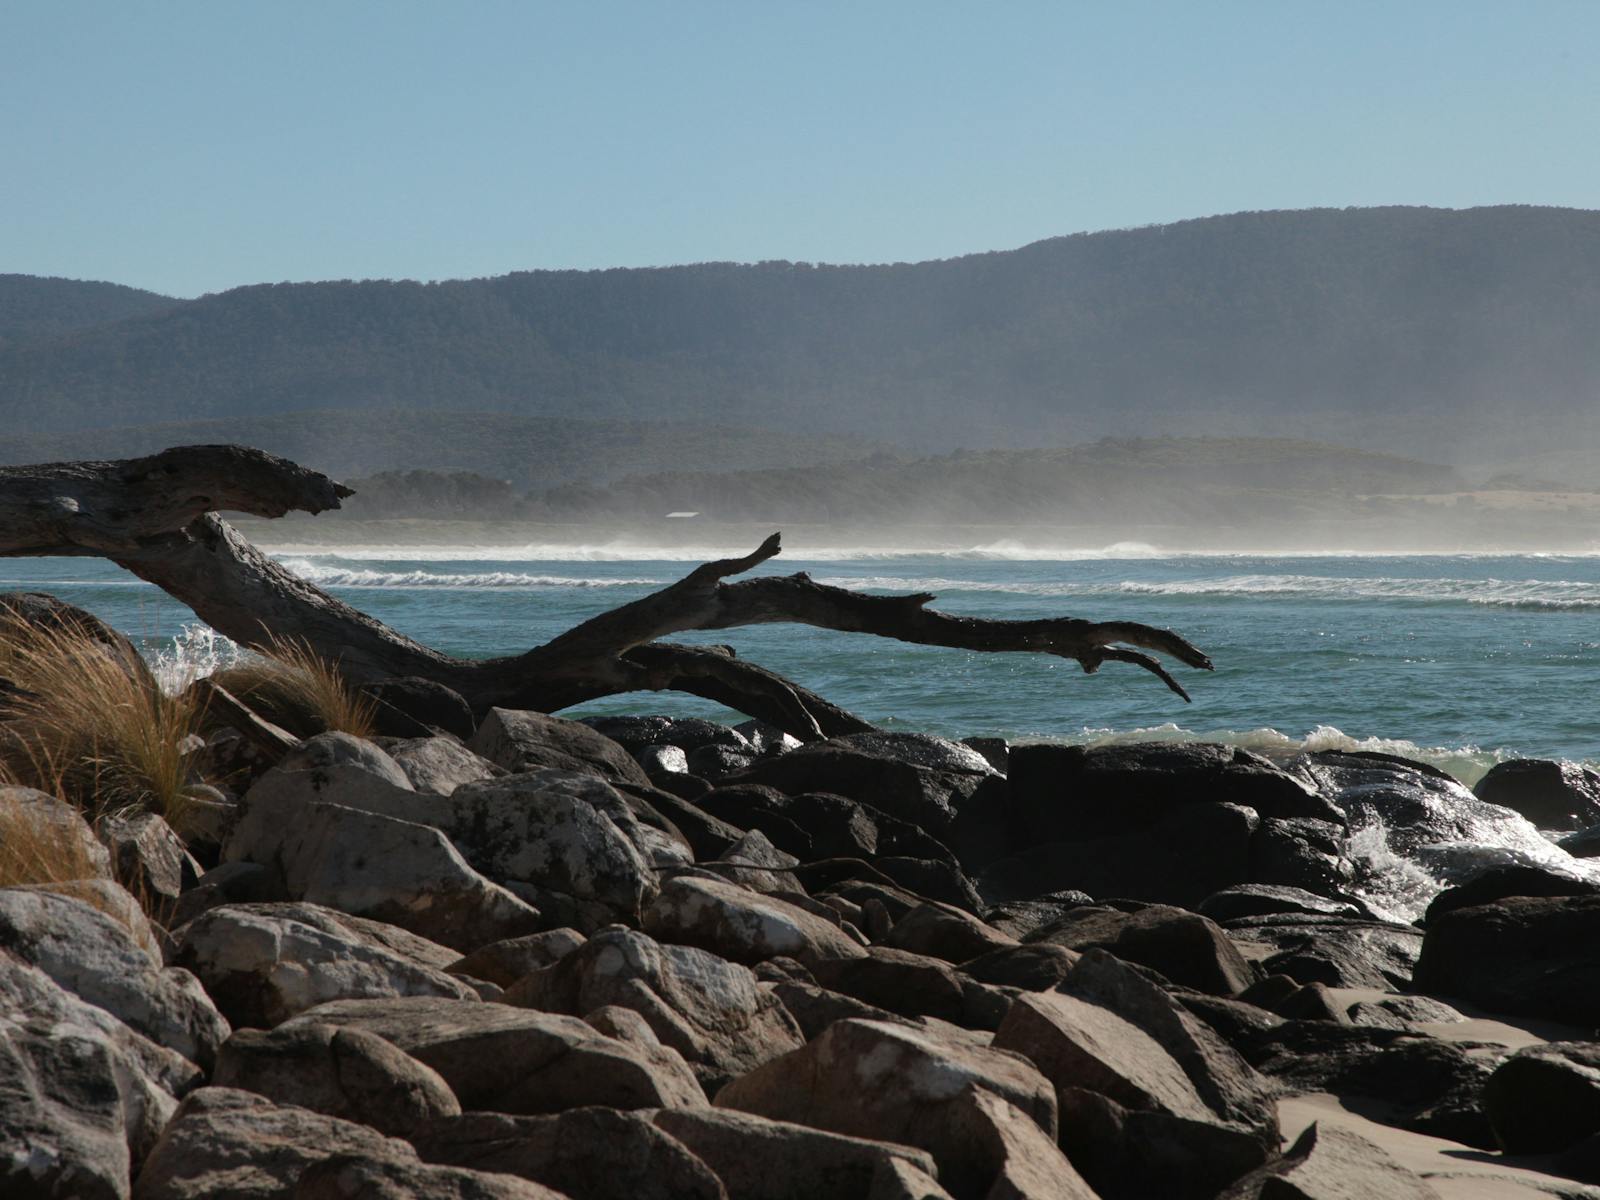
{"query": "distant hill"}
pixel 1467 335
pixel 532 453
pixel 32 307
pixel 1118 482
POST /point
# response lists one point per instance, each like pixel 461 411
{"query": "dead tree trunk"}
pixel 157 516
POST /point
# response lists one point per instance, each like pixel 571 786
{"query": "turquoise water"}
pixel 1459 659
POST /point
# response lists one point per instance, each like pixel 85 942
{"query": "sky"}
pixel 193 147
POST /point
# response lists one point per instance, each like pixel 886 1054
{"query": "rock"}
pixel 995 750
pixel 1074 793
pixel 528 741
pixel 1537 957
pixel 346 1073
pixel 1005 1156
pixel 1188 853
pixel 514 1060
pixel 742 925
pixel 507 961
pixel 1499 883
pixel 761 1159
pixel 1184 947
pixel 408 701
pixel 1263 899
pixel 767 740
pixel 1553 795
pixel 1019 918
pixel 439 765
pixel 1545 1098
pixel 36 826
pixel 1038 967
pixel 1311 1002
pixel 1424 1084
pixel 48 614
pixel 352 1177
pixel 1133 1121
pixel 82 1096
pixel 228 883
pixel 224 1144
pixel 815 1008
pixel 890 1082
pixel 97 960
pixel 1239 1024
pixel 685 733
pixel 375 866
pixel 755 863
pixel 1335 951
pixel 1330 1164
pixel 924 780
pixel 593 1153
pixel 708 836
pixel 941 931
pixel 717 762
pixel 911 985
pixel 662 760
pixel 818 825
pixel 1403 1012
pixel 148 858
pixel 116 902
pixel 1303 853
pixel 264 963
pixel 898 1180
pixel 708 1009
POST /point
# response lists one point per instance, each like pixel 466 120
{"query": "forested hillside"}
pixel 33 307
pixel 1435 332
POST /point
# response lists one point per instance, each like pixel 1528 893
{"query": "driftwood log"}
pixel 157 516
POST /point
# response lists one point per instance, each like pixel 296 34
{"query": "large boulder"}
pixel 761 1159
pixel 98 960
pixel 346 1073
pixel 943 931
pixel 406 704
pixel 439 765
pixel 594 1153
pixel 1330 1164
pixel 263 963
pixel 1006 1156
pixel 82 1097
pixel 224 1144
pixel 894 1083
pixel 1532 956
pixel 358 1177
pixel 1502 882
pixel 741 925
pixel 38 828
pixel 1545 1098
pixel 515 1060
pixel 1186 948
pixel 1333 951
pixel 148 858
pixel 505 962
pixel 817 825
pixel 529 741
pixel 708 1009
pixel 912 985
pixel 1553 795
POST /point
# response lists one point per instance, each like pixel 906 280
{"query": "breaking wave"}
pixel 347 577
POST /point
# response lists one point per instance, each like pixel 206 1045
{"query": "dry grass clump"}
pixel 83 723
pixel 293 687
pixel 36 849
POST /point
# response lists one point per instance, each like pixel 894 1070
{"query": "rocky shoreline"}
pixel 645 957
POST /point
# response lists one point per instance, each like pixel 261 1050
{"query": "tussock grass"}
pixel 84 726
pixel 35 849
pixel 293 687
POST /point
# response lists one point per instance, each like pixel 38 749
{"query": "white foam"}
pixel 345 577
pixel 196 652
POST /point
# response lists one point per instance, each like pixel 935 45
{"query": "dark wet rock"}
pixel 915 881
pixel 1190 852
pixel 718 762
pixel 761 1159
pixel 263 963
pixel 1413 1082
pixel 686 733
pixel 685 786
pixel 1069 793
pixel 1262 899
pixel 354 1177
pixel 1553 795
pixel 346 1073
pixel 528 741
pixel 1019 918
pixel 99 961
pixel 594 1153
pixel 1500 883
pixel 895 1083
pixel 708 1009
pixel 411 706
pixel 1304 853
pixel 767 740
pixel 1336 951
pixel 1327 1164
pixel 996 750
pixel 503 1059
pixel 742 925
pixel 1184 947
pixel 945 932
pixel 1545 1098
pixel 226 1144
pixel 504 962
pixel 1532 956
pixel 818 825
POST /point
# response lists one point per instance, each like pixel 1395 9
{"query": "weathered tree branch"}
pixel 156 516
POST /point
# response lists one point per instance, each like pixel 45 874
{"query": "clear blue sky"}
pixel 191 147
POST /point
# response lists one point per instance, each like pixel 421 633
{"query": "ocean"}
pixel 1458 660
